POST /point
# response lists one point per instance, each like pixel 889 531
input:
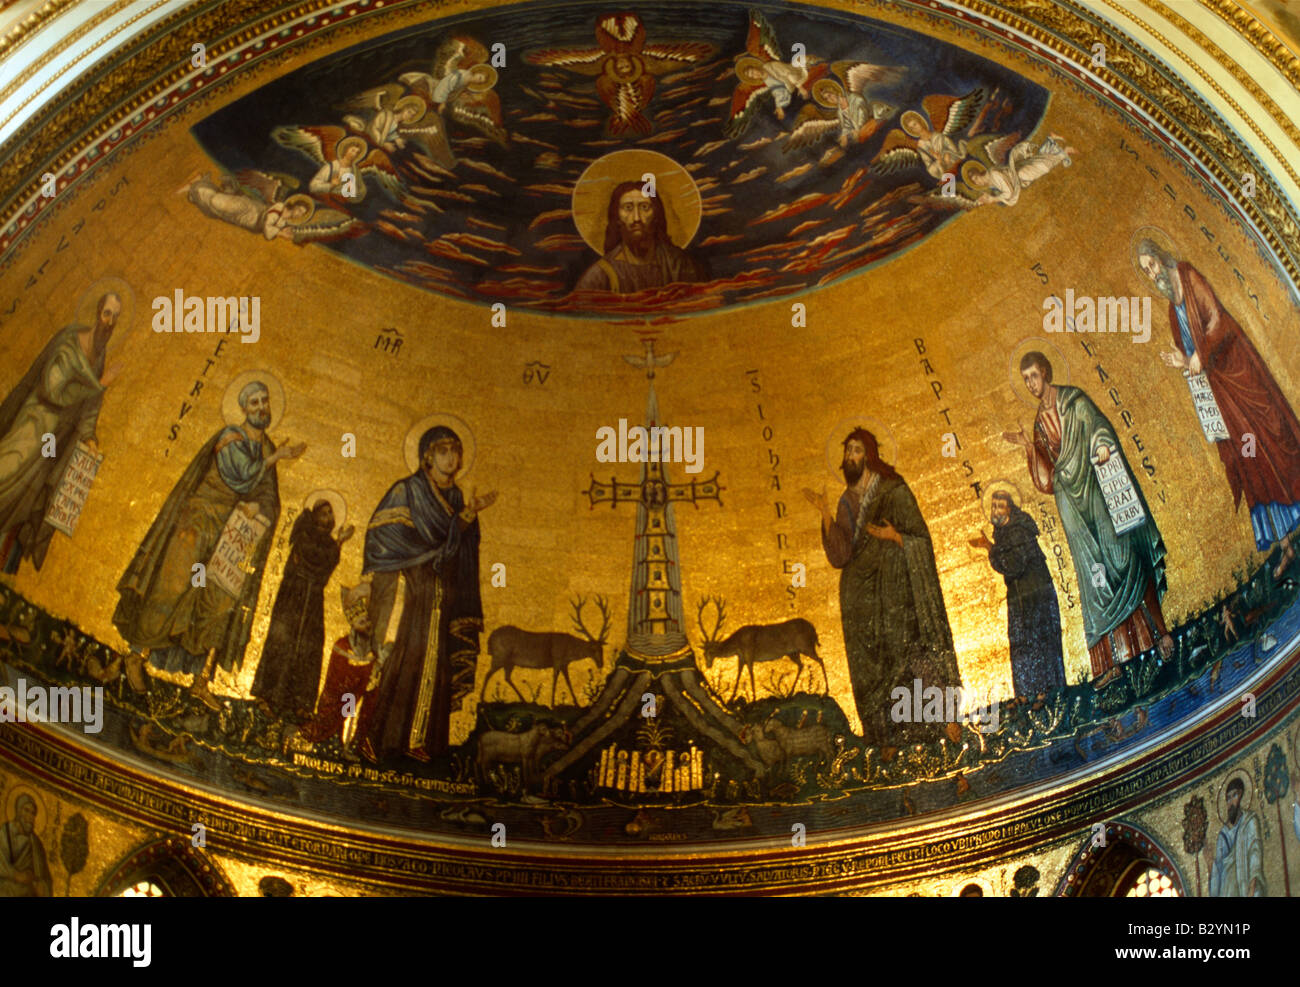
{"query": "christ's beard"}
pixel 639 241
pixel 852 471
pixel 1233 813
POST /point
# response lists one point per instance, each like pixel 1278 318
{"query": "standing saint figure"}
pixel 426 532
pixel 24 872
pixel 1033 616
pixel 183 620
pixel 60 395
pixel 891 605
pixel 1261 455
pixel 638 251
pixel 289 670
pixel 1121 576
pixel 1238 870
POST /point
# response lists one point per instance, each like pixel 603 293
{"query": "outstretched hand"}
pixel 981 542
pixel 819 501
pixel 477 503
pixel 885 532
pixel 288 451
pixel 1017 438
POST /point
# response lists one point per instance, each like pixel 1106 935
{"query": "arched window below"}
pixel 1152 882
pixel 1128 863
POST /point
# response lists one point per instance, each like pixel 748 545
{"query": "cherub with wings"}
pixel 259 202
pixel 395 120
pixel 765 77
pixel 1001 169
pixel 625 66
pixel 849 115
pixel 1009 172
pixel 937 140
pixel 345 162
pixel 461 87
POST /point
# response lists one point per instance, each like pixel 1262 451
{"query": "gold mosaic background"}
pixel 968 291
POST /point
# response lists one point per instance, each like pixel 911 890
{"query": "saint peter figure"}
pixel 1261 455
pixel 895 623
pixel 1121 576
pixel 289 670
pixel 425 532
pixel 60 395
pixel 177 615
pixel 1033 616
pixel 638 252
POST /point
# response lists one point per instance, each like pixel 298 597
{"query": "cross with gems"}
pixel 655 613
pixel 657 654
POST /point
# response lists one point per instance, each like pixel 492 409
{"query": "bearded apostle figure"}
pixel 1261 454
pixel 24 870
pixel 1121 574
pixel 895 624
pixel 60 395
pixel 169 607
pixel 1238 869
pixel 425 532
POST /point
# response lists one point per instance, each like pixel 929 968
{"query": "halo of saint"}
pixel 888 445
pixel 233 414
pixel 411 445
pixel 88 308
pixel 11 805
pixel 1157 236
pixel 1000 486
pixel 336 501
pixel 1060 366
pixel 683 205
pixel 1221 796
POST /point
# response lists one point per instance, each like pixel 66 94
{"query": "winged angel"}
pixel 765 77
pixel 393 120
pixel 625 67
pixel 461 87
pixel 260 202
pixel 849 115
pixel 1008 173
pixel 938 139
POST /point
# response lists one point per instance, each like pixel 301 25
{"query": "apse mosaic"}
pixel 778 169
pixel 418 481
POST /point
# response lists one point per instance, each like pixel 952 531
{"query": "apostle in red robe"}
pixel 1261 454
